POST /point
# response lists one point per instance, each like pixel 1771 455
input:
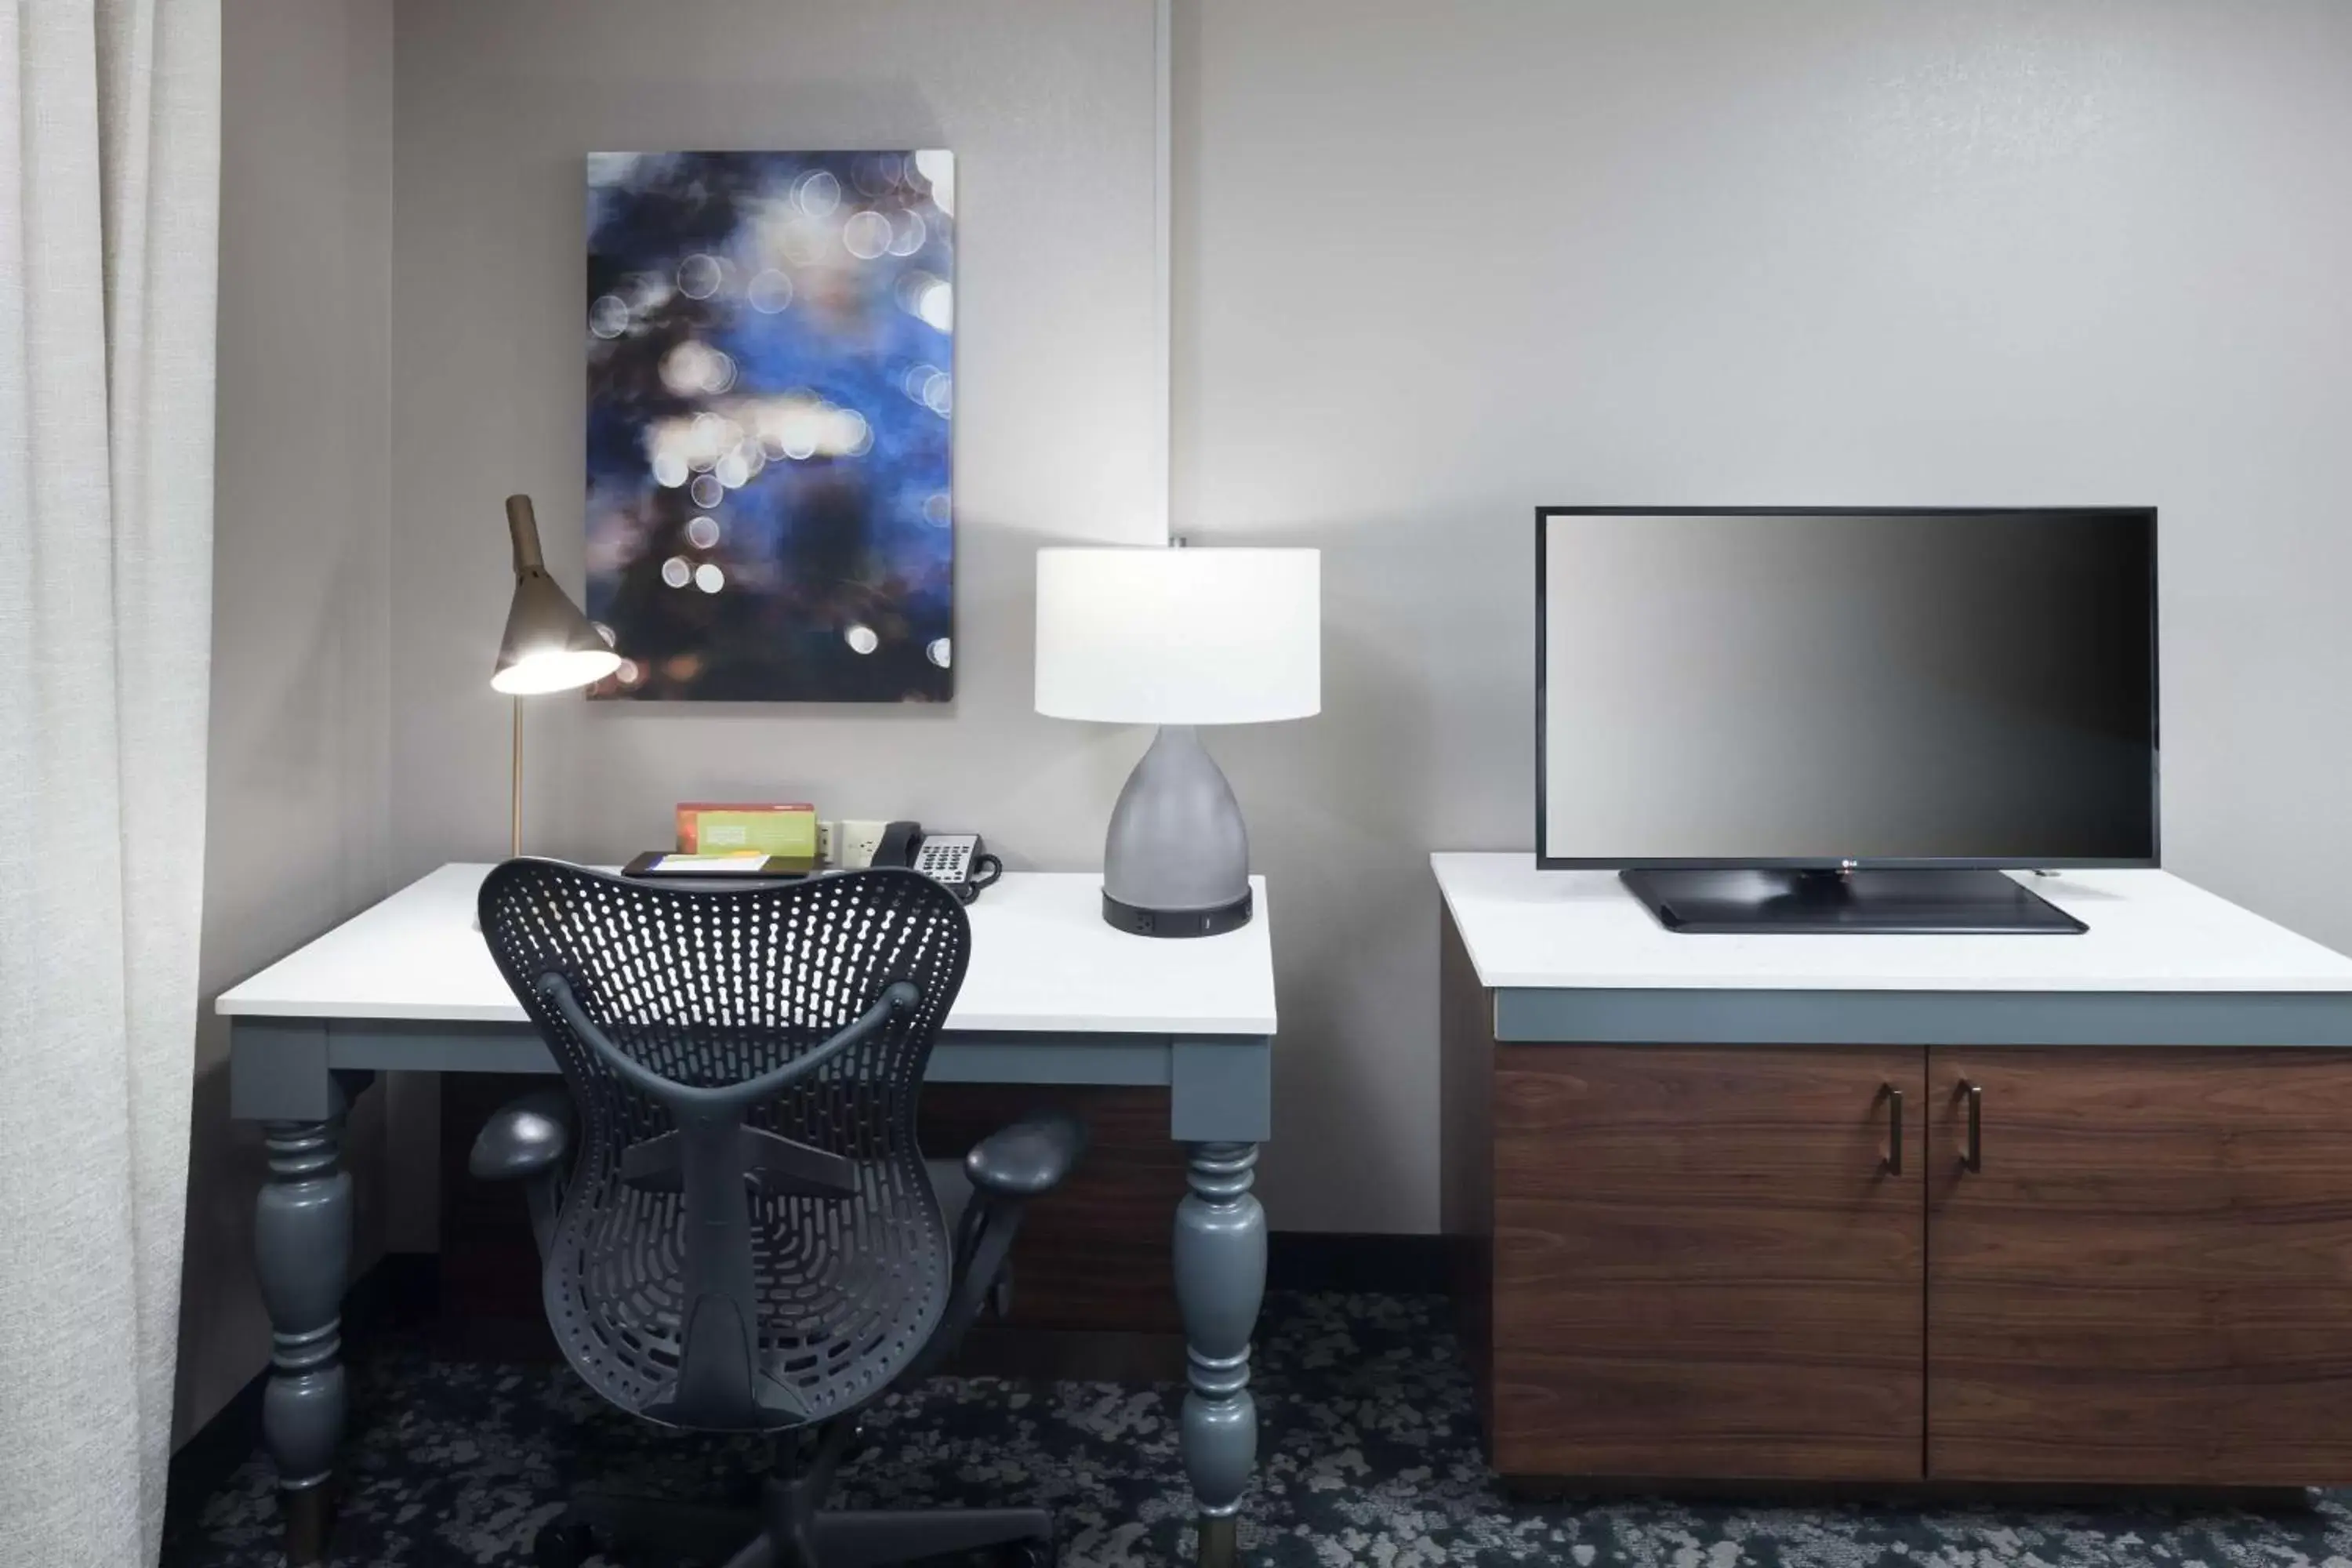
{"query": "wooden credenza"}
pixel 1753 1242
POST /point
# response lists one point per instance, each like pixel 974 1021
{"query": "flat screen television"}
pixel 1845 719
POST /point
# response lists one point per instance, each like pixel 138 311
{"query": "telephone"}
pixel 955 860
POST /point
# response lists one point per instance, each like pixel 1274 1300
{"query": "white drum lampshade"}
pixel 1178 638
pixel 1151 635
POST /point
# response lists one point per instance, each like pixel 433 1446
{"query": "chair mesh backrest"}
pixel 710 988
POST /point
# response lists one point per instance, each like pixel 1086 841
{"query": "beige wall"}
pixel 297 817
pixel 1434 265
pixel 1048 105
pixel 1437 265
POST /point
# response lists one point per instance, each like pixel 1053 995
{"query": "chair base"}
pixel 780 1535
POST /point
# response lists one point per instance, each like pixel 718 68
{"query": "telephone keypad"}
pixel 944 862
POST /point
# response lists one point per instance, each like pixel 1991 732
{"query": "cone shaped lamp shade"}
pixel 549 645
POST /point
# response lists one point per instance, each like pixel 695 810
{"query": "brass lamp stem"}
pixel 514 834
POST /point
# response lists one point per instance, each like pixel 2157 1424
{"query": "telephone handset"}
pixel 955 860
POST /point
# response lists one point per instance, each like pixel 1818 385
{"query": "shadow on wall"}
pixel 1425 742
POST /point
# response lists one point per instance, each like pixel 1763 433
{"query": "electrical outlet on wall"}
pixel 857 841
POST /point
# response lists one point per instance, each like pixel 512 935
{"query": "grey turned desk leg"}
pixel 1220 1282
pixel 303 1247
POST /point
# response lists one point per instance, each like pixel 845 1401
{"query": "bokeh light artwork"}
pixel 770 398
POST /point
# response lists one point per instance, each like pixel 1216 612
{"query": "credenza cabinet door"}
pixel 2140 1266
pixel 1706 1262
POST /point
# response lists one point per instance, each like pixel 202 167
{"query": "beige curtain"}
pixel 109 172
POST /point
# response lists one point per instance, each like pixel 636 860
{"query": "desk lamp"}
pixel 549 647
pixel 1177 638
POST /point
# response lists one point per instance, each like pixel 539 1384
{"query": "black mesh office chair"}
pixel 746 1237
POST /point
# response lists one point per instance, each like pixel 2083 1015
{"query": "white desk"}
pixel 1052 995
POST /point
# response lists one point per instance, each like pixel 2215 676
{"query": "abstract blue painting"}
pixel 770 398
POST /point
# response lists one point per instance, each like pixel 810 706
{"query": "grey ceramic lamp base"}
pixel 1177 859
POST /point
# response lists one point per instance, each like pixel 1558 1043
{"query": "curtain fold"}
pixel 109 214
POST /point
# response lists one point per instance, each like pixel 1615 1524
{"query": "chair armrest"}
pixel 1028 1158
pixel 1007 1168
pixel 528 1136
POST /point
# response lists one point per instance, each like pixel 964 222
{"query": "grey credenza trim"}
pixel 1696 1017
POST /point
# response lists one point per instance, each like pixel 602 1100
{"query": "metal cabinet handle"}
pixel 1893 1163
pixel 1972 1153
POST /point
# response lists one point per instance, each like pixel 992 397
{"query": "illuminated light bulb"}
pixel 555 669
pixel 861 639
pixel 939 653
pixel 709 578
pixel 702 532
pixel 677 573
pixel 707 490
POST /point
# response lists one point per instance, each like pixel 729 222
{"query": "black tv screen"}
pixel 1814 688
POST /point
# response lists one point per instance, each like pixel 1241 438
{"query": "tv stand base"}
pixel 1816 902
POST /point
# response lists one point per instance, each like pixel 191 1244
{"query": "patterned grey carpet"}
pixel 1369 1453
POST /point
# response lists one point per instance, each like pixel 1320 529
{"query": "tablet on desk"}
pixel 731 865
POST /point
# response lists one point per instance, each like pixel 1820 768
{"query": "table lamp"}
pixel 1179 638
pixel 549 647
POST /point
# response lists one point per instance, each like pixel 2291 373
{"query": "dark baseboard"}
pixel 1555 1490
pixel 213 1452
pixel 1359 1262
pixel 1069 1355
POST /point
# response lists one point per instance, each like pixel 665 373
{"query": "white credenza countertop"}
pixel 2150 932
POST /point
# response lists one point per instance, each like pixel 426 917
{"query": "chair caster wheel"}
pixel 563 1543
pixel 1026 1554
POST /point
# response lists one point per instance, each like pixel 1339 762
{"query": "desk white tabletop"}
pixel 2150 932
pixel 1042 962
